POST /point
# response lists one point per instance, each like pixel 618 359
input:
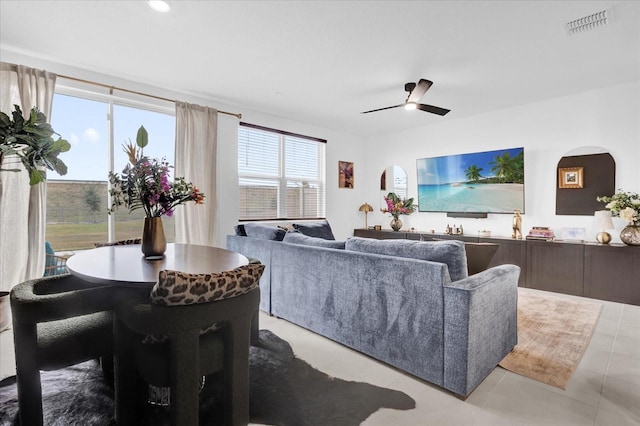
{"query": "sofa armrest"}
pixel 259 249
pixel 58 297
pixel 480 325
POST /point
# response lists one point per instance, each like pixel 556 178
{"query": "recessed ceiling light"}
pixel 410 106
pixel 159 5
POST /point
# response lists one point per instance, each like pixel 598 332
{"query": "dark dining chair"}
pixel 58 321
pixel 192 326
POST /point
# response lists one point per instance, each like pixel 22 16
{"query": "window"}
pixel 281 175
pixel 77 202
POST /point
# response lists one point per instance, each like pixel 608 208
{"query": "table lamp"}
pixel 366 208
pixel 602 220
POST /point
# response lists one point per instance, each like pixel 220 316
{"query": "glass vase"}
pixel 154 243
pixel 630 235
pixel 396 224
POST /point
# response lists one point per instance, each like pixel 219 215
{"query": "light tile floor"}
pixel 604 390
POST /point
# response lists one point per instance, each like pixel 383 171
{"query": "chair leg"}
pixel 237 374
pixel 25 337
pixel 255 329
pixel 185 379
pixel 125 376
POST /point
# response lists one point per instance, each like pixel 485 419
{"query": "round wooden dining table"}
pixel 126 266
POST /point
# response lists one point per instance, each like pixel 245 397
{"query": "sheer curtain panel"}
pixel 195 157
pixel 22 207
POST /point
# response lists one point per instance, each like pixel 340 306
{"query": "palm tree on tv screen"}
pixel 473 173
pixel 509 169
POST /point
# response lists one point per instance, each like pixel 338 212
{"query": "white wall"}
pixel 607 118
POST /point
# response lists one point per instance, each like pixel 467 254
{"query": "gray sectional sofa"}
pixel 407 303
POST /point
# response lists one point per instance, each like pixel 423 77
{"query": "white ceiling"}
pixel 324 62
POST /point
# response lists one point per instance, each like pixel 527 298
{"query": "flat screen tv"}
pixel 480 182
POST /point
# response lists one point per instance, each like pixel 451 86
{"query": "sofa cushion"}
pixel 299 238
pixel 450 252
pixel 266 232
pixel 315 229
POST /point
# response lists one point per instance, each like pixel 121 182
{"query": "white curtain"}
pixel 22 207
pixel 195 157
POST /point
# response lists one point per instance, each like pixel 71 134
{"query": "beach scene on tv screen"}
pixel 480 182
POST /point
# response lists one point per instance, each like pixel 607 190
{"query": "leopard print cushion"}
pixel 120 243
pixel 180 288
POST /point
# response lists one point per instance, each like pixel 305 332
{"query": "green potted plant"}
pixel 31 141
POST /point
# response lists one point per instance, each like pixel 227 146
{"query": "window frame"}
pixel 99 93
pixel 282 179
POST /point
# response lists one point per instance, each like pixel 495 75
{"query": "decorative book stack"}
pixel 542 233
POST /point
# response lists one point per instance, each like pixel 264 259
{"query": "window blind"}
pixel 281 174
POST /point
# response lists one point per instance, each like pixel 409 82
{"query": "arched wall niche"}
pixel 393 179
pixel 596 170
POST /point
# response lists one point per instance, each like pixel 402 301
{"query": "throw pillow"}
pixel 298 238
pixel 180 288
pixel 449 252
pixel 315 229
pixel 240 230
pixel 266 232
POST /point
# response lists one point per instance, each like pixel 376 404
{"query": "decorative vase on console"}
pixel 626 205
pixel 397 206
pixel 144 184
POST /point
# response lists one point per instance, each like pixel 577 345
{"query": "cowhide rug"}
pixel 284 391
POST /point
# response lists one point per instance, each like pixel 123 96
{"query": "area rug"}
pixel 284 390
pixel 553 334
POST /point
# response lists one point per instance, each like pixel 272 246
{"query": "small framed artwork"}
pixel 570 177
pixel 345 174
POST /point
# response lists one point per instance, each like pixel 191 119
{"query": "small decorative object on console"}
pixel 366 208
pixel 541 233
pixel 517 225
pixel 602 221
pixel 397 206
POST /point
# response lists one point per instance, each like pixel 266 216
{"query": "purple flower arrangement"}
pixel 145 183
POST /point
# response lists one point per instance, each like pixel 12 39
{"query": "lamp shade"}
pixel 602 220
pixel 365 208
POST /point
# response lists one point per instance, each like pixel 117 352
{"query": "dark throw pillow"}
pixel 266 232
pixel 240 230
pixel 315 229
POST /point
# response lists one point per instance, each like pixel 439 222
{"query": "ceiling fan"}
pixel 415 93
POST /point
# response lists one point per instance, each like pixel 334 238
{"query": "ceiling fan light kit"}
pixel 416 91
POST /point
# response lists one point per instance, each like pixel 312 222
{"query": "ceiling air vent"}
pixel 589 22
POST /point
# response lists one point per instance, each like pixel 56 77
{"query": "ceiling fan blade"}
pixel 420 89
pixel 381 109
pixel 432 109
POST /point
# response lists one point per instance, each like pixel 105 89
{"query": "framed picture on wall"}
pixel 345 174
pixel 570 177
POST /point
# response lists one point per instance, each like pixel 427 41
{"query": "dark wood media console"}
pixel 607 272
